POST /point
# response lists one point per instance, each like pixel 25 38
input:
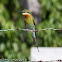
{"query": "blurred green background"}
pixel 17 44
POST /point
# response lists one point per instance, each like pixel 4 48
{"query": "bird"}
pixel 30 24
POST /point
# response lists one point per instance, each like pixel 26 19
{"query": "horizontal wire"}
pixel 31 30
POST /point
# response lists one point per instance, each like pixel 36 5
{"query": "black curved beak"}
pixel 19 12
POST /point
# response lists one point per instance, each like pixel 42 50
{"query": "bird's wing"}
pixel 34 21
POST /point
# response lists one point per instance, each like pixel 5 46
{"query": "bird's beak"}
pixel 20 12
pixel 23 13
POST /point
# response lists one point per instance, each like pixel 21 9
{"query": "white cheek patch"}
pixel 25 14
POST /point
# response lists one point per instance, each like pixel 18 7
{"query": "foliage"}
pixel 51 18
pixel 17 44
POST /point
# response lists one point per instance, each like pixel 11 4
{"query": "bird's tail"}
pixel 34 39
pixel 35 43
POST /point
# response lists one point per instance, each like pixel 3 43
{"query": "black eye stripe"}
pixel 27 12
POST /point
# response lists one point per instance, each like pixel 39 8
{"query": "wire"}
pixel 31 30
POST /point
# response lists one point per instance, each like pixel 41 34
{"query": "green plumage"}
pixel 30 24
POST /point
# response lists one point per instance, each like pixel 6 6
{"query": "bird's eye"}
pixel 27 12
